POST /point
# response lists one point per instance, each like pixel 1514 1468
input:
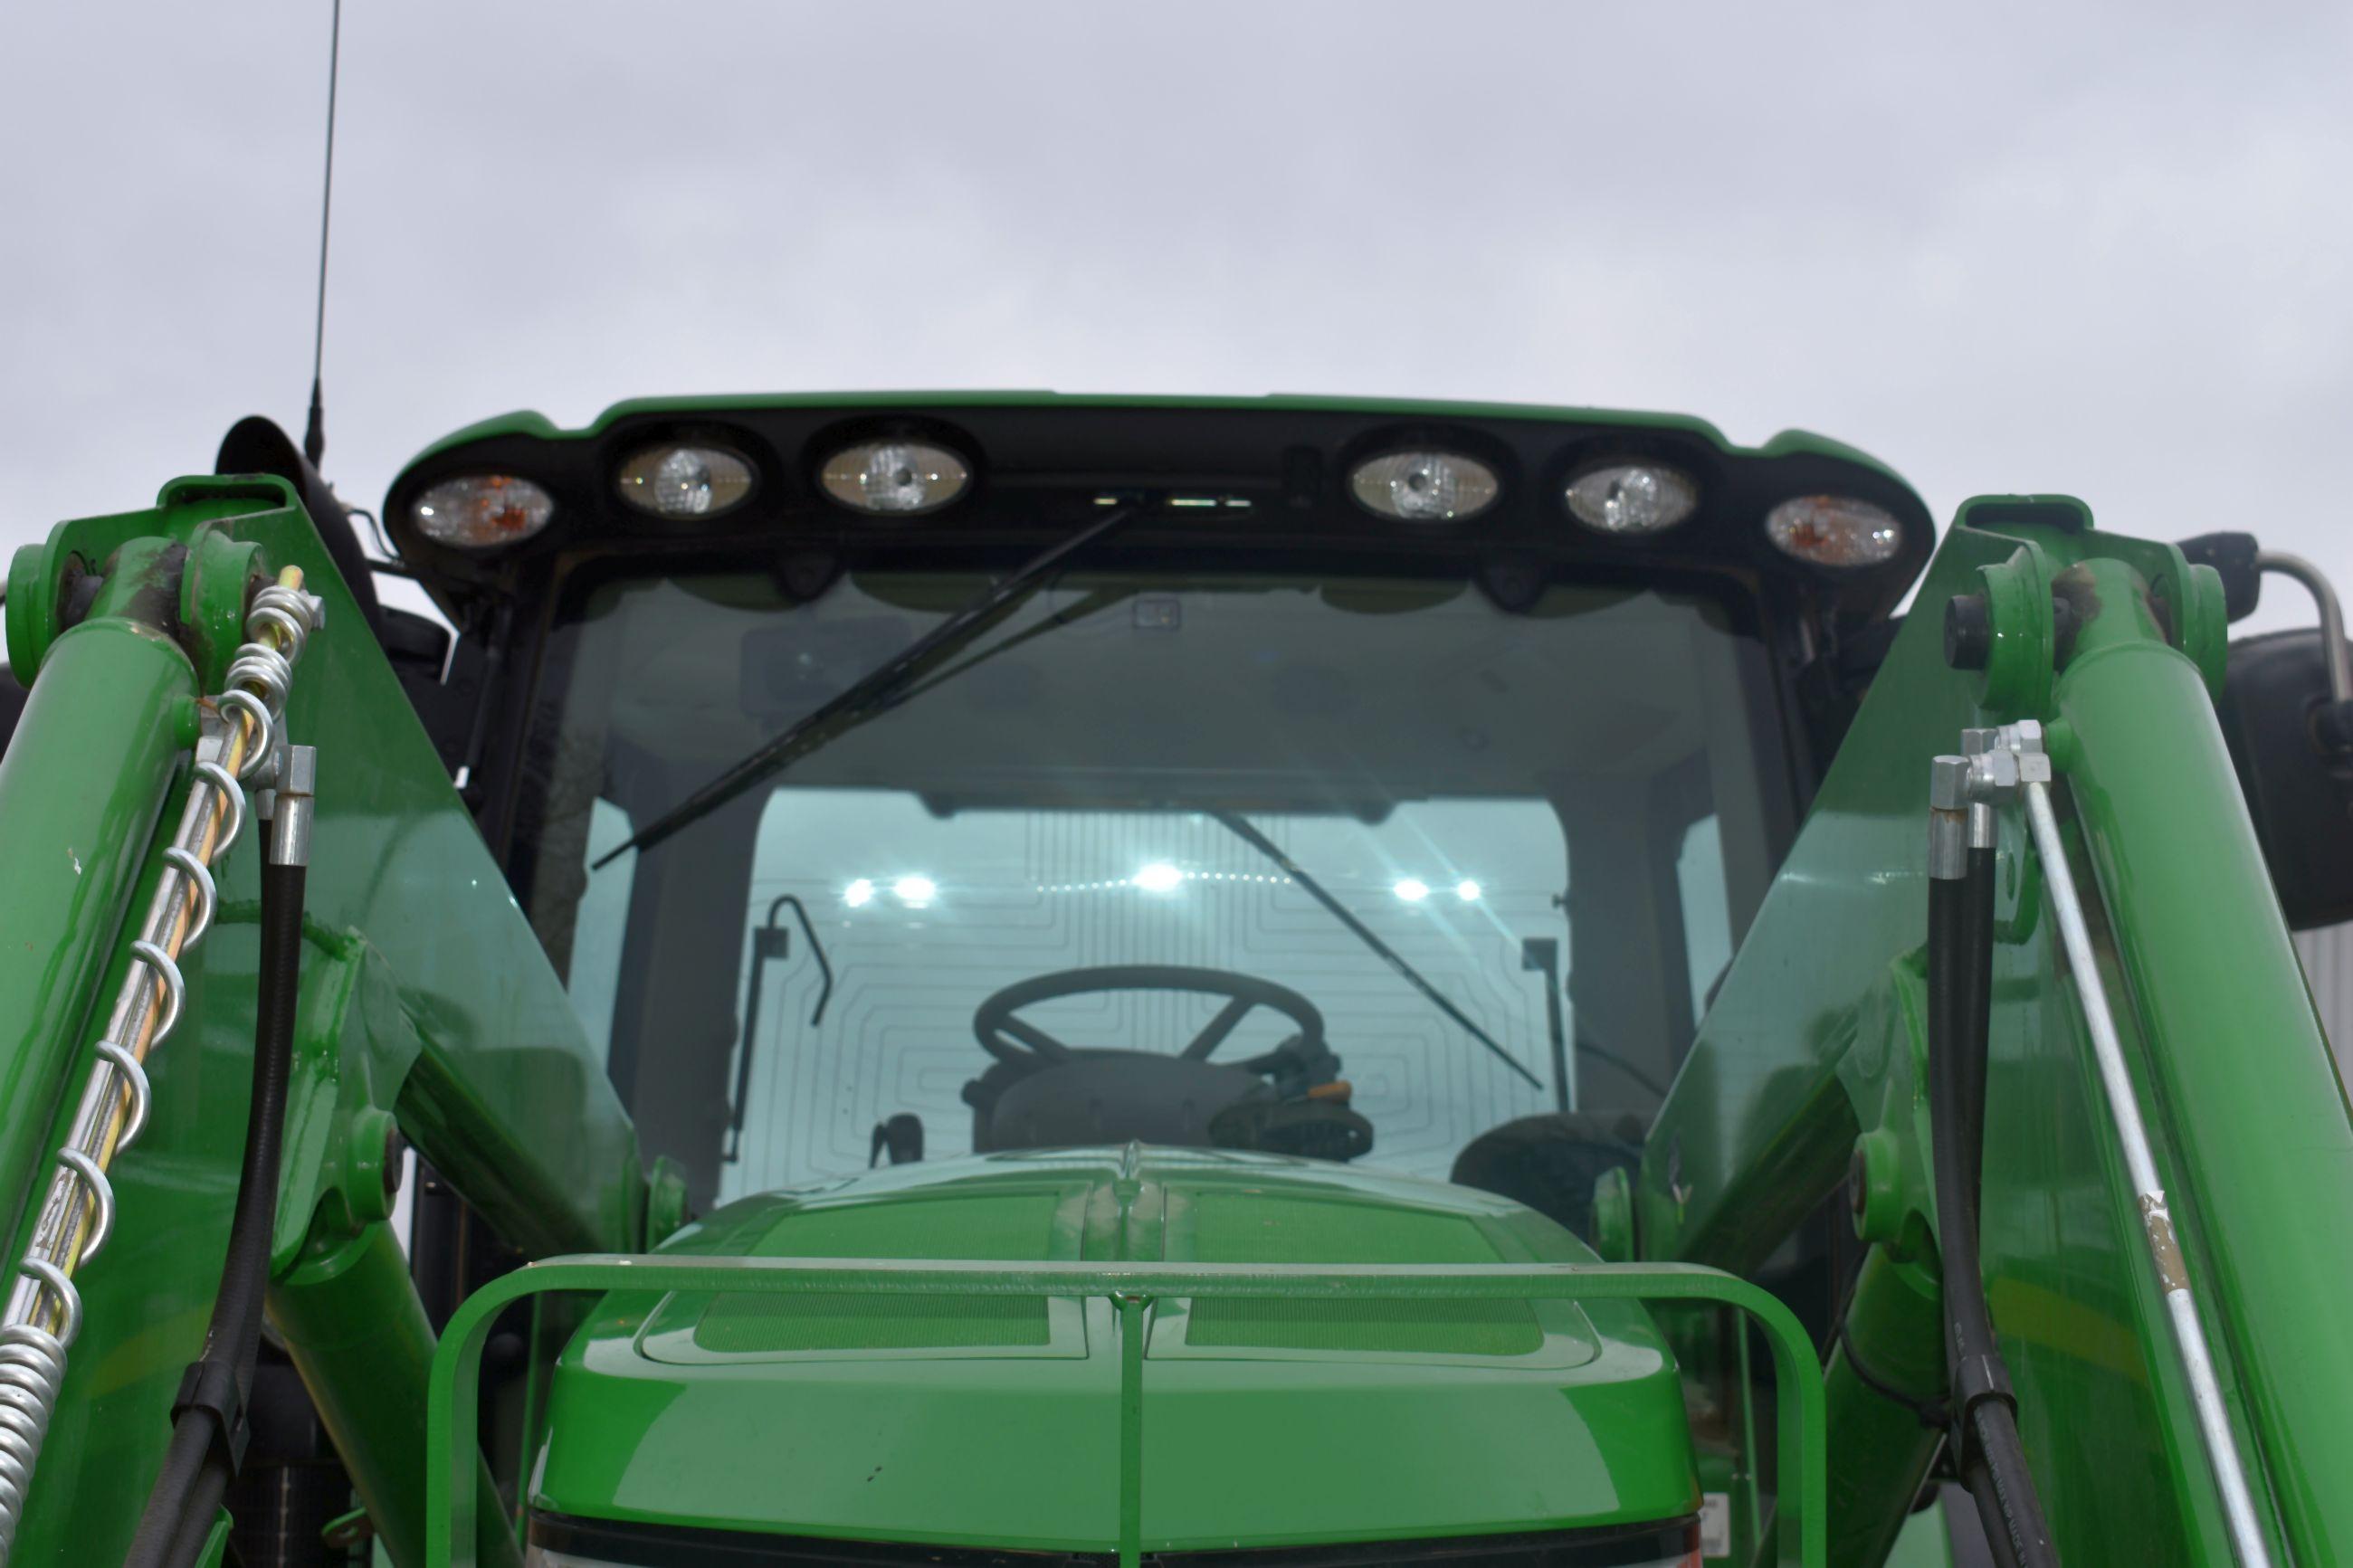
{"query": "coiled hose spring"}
pixel 242 741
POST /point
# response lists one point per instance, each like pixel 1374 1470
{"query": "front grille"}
pixel 665 1546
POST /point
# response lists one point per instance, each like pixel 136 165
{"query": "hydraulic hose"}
pixel 208 1419
pixel 1989 1455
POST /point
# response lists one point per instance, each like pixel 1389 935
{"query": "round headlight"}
pixel 1631 497
pixel 897 478
pixel 1425 487
pixel 476 512
pixel 685 480
pixel 1835 530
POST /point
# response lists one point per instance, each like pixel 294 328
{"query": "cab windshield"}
pixel 1360 867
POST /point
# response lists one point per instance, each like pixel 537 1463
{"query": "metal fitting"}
pixel 290 824
pixel 2003 760
pixel 263 780
pixel 1995 765
pixel 1948 783
pixel 1949 816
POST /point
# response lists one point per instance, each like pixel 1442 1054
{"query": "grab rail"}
pixel 451 1501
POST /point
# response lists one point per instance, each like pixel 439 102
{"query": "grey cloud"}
pixel 2027 248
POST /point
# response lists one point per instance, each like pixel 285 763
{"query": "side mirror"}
pixel 2287 714
pixel 2287 737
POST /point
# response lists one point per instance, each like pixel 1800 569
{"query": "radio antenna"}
pixel 314 437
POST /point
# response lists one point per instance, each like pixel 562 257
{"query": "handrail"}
pixel 451 1502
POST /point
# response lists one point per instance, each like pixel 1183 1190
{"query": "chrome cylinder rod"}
pixel 2247 1538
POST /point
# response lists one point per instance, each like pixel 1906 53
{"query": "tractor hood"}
pixel 993 1421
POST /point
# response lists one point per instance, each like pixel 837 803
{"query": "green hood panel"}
pixel 993 1421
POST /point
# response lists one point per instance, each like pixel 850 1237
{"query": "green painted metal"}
pixel 1131 1304
pixel 452 1014
pixel 427 1000
pixel 1888 1365
pixel 2257 1130
pixel 70 853
pixel 359 1337
pixel 354 1046
pixel 1750 1520
pixel 537 427
pixel 1812 1043
pixel 1613 1216
pixel 1387 1421
pixel 454 1510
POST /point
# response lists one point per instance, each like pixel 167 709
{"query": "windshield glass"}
pixel 1541 828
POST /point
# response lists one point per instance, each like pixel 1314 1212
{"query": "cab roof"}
pixel 1042 461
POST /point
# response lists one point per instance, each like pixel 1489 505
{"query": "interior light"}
pixel 1425 487
pixel 477 512
pixel 1468 890
pixel 1631 497
pixel 897 478
pixel 859 894
pixel 1159 877
pixel 915 891
pixel 685 480
pixel 1835 530
pixel 1412 889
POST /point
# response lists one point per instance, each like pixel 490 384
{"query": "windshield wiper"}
pixel 877 691
pixel 1241 828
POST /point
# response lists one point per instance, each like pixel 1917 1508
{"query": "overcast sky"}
pixel 2092 249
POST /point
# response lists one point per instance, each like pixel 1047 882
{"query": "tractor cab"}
pixel 1017 773
pixel 1276 832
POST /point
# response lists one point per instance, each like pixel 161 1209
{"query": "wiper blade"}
pixel 1240 828
pixel 878 690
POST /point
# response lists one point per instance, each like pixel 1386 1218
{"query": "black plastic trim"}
pixel 637 1545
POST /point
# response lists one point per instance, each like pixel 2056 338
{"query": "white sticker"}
pixel 1715 1524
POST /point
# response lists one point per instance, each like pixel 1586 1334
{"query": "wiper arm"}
pixel 1241 828
pixel 878 690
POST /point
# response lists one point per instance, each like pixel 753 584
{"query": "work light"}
pixel 1630 497
pixel 1424 486
pixel 477 512
pixel 683 480
pixel 900 478
pixel 1835 530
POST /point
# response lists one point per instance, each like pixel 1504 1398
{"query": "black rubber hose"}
pixel 1960 988
pixel 197 1465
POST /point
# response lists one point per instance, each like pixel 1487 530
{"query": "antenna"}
pixel 314 437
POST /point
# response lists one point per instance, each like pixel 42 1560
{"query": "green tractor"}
pixel 1027 981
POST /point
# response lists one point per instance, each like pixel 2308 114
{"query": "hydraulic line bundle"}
pixel 243 747
pixel 2003 765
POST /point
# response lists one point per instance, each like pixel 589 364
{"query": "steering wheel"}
pixel 1020 1043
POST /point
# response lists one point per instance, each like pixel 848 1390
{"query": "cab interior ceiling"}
pixel 1042 470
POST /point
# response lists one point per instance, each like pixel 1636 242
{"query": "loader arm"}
pixel 1810 1071
pixel 426 1004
